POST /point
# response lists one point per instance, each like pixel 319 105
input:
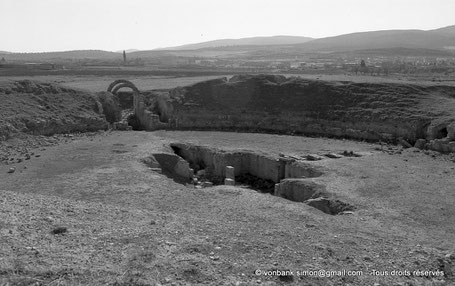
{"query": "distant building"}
pixel 297 65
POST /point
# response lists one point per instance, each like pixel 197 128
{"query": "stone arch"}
pixel 120 83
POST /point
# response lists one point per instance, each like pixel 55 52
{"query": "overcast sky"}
pixel 60 25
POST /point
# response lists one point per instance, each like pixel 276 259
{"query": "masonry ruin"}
pixel 283 176
pixel 276 104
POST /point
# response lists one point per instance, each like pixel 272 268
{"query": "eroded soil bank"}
pixel 373 111
pixel 128 225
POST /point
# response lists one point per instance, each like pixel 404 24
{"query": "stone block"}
pixel 452 146
pixel 420 143
pixel 207 184
pixel 200 173
pixel 451 131
pixel 230 172
pixel 229 182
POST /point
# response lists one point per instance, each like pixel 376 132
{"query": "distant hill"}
pixel 447 31
pixel 128 51
pixel 79 54
pixel 394 52
pixel 410 39
pixel 253 41
pixel 417 42
pixel 389 42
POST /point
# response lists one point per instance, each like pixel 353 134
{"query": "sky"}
pixel 113 25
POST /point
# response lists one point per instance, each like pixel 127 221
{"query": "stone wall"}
pixel 147 119
pixel 257 164
pixel 266 103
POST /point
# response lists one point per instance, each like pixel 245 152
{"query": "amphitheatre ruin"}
pixel 211 182
pixel 269 103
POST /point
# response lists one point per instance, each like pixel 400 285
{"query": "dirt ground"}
pixel 87 212
pixel 97 83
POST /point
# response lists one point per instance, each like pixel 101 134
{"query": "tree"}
pixel 124 57
pixel 363 67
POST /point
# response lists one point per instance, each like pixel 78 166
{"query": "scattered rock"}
pixel 200 173
pixel 329 206
pixel 207 184
pixel 346 213
pixel 404 143
pixel 12 170
pixel 333 156
pixel 59 230
pixel 285 277
pixel 420 143
pixel 350 154
pixel 313 157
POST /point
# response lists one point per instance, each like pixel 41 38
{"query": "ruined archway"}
pixel 120 83
pixel 128 101
pixel 142 116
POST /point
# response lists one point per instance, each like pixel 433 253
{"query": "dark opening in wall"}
pixel 196 163
pixel 442 133
pixel 125 99
pixel 256 183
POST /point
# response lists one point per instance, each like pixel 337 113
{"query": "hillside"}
pixel 411 39
pixel 80 54
pixel 438 42
pixel 252 41
pixel 447 31
pixel 128 51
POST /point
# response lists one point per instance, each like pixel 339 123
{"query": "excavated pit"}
pixel 200 166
